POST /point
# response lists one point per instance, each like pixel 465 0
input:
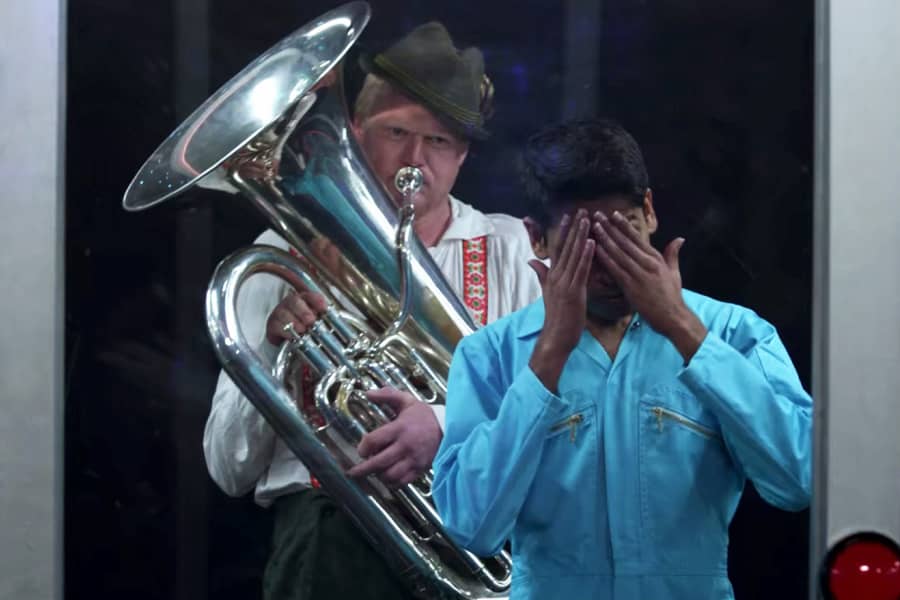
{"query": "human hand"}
pixel 300 309
pixel 399 452
pixel 564 286
pixel 650 281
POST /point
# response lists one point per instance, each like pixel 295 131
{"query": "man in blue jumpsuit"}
pixel 608 429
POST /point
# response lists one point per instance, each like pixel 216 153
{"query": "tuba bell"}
pixel 278 134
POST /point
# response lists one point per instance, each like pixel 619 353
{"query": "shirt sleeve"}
pixel 492 446
pixel 513 284
pixel 750 384
pixel 238 442
pixel 526 288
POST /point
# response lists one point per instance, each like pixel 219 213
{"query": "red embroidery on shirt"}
pixel 475 285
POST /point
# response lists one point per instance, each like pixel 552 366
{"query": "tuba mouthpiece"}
pixel 408 181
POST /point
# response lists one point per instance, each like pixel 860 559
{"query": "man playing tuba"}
pixel 421 105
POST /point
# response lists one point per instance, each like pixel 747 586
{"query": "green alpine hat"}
pixel 426 66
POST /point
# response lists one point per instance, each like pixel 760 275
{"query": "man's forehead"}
pixel 396 109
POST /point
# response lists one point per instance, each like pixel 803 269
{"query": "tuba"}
pixel 278 134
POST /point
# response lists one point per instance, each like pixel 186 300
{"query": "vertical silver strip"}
pixel 820 345
pixel 32 101
pixel 858 271
pixel 58 376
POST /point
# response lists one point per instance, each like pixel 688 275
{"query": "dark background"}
pixel 719 94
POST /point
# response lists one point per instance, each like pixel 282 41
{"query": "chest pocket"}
pixel 563 494
pixel 689 485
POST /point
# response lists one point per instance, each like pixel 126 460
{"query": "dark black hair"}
pixel 580 159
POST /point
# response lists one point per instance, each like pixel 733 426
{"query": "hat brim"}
pixel 472 132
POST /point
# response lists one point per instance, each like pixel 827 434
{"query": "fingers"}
pixel 377 440
pixel 565 234
pixel 277 325
pixel 570 241
pixel 392 464
pixel 300 310
pixel 570 263
pixel 671 253
pixel 573 245
pixel 612 266
pixel 584 264
pixel 386 459
pixel 316 302
pixel 297 308
pixel 394 475
pixel 402 473
pixel 400 451
pixel 627 237
pixel 621 223
pixel 540 270
pixel 394 398
pixel 608 250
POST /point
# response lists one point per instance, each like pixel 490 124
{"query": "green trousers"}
pixel 319 554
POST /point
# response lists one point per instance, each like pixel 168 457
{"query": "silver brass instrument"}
pixel 279 134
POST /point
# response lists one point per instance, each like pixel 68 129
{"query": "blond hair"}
pixel 374 88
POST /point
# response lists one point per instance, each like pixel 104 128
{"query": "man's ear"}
pixel 538 238
pixel 462 156
pixel 649 212
pixel 356 129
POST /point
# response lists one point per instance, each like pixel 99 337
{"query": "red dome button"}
pixel 863 567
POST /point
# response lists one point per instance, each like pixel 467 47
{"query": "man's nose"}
pixel 415 151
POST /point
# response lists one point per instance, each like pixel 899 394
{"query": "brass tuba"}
pixel 278 133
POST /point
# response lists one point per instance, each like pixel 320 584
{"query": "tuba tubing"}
pixel 402 549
